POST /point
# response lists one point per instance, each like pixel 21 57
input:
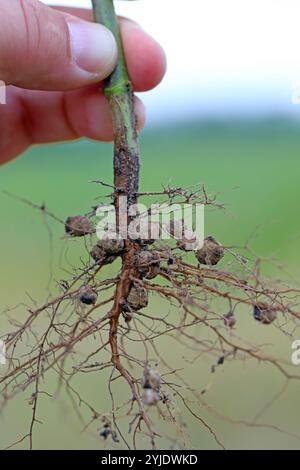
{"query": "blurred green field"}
pixel 254 167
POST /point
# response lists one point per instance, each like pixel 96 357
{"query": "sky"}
pixel 225 57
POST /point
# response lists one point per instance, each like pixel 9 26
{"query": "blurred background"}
pixel 226 115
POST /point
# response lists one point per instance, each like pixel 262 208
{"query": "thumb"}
pixel 45 49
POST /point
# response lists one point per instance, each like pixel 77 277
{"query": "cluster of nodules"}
pixel 106 250
pixel 147 263
pixel 136 300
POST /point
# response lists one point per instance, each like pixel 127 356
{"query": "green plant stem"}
pixel 118 89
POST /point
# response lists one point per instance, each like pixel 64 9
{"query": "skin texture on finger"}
pixel 35 117
pixel 146 59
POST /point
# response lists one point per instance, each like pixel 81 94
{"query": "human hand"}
pixel 52 61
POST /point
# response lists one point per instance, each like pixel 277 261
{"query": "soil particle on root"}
pixel 88 295
pixel 106 250
pixel 230 320
pixel 136 300
pixel 111 246
pixel 264 314
pixel 147 263
pixel 78 226
pixel 210 253
pixel 100 256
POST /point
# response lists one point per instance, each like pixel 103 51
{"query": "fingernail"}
pixel 93 47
